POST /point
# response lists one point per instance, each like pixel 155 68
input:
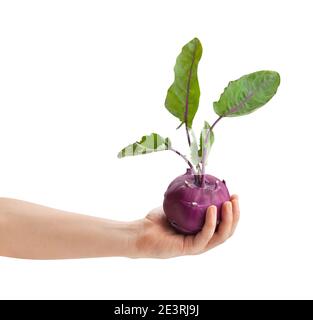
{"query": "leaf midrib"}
pixel 245 100
pixel 188 85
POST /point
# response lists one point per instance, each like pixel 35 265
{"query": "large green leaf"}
pixel 247 94
pixel 147 144
pixel 182 98
pixel 206 141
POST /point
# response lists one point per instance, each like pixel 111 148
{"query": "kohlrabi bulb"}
pixel 185 202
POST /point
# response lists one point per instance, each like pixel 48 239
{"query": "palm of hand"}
pixel 159 240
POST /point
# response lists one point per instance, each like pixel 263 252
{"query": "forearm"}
pixel 33 231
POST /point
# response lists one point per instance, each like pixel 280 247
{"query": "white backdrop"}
pixel 81 79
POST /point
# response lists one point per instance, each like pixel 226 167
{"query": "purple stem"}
pixel 235 108
pixel 188 136
pixel 186 160
pixel 215 122
pixel 204 153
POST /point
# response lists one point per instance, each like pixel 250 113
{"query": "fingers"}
pixel 206 239
pixel 225 227
pixel 234 197
pixel 204 236
pixel 236 213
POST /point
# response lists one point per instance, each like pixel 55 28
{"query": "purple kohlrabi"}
pixel 185 202
pixel 188 196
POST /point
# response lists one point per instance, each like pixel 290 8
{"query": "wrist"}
pixel 140 243
pixel 125 237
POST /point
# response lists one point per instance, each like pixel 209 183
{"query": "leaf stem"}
pixel 215 122
pixel 204 153
pixel 186 160
pixel 188 135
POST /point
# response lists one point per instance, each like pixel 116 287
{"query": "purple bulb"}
pixel 185 202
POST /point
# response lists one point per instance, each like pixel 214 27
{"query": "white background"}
pixel 79 80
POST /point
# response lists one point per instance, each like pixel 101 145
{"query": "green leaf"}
pixel 147 144
pixel 247 94
pixel 183 96
pixel 206 140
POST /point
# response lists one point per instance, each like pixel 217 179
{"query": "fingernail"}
pixel 229 205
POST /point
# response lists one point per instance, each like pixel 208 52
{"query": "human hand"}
pixel 32 231
pixel 157 239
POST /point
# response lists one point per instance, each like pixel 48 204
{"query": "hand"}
pixel 32 231
pixel 157 239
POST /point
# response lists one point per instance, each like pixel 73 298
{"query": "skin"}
pixel 32 231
